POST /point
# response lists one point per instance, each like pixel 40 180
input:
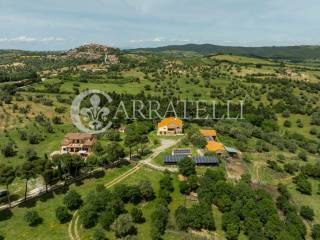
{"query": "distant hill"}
pixel 293 53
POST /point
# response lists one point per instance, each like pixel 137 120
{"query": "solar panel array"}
pixel 205 159
pixel 181 151
pixel 172 158
pixel 197 159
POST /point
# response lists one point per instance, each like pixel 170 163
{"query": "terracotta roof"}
pixel 78 136
pixel 85 138
pixel 214 146
pixel 208 133
pixel 170 121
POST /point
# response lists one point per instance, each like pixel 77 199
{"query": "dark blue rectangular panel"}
pixel 197 159
pixel 181 151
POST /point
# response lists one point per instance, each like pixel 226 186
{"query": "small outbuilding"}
pixel 216 147
pixel 209 134
pixel 232 151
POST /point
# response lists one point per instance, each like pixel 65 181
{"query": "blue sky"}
pixel 64 24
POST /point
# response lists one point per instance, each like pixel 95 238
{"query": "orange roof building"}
pixel 216 147
pixel 208 132
pixel 170 126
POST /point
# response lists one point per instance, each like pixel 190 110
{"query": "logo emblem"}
pixel 91 119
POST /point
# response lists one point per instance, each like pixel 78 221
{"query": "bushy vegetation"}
pixel 72 200
pixel 32 218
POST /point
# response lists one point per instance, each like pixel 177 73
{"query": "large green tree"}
pixel 26 172
pixel 123 226
pixel 136 134
pixel 72 200
pixel 114 152
pixel 7 176
pixel 187 166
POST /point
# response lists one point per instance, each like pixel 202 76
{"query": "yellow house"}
pixel 216 147
pixel 170 126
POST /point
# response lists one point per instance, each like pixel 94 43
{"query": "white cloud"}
pixel 158 40
pixel 31 39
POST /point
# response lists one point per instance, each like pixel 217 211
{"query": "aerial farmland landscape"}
pixel 150 120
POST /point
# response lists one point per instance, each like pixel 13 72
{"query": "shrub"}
pixel 304 186
pixel 72 200
pixel 134 194
pixel 200 217
pixel 164 196
pixel 60 109
pixel 8 150
pixel 313 131
pixel 303 156
pixel 287 124
pixel 292 219
pixel 31 154
pixel 62 214
pixel 57 120
pixel 307 213
pixel 32 218
pixel 121 190
pixel 137 215
pixel 184 187
pixel 159 220
pixel 99 234
pixel 262 146
pixel 315 118
pixel 312 148
pixel 281 158
pixel 34 138
pixel 291 168
pixel 246 158
pixel 106 219
pixel 182 218
pixel 166 183
pixel 300 124
pixel 274 166
pixel 316 232
pixel 123 226
pixel 88 216
pixel 283 190
pixel 23 135
pixel 146 190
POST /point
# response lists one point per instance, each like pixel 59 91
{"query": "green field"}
pixel 51 229
pixel 15 227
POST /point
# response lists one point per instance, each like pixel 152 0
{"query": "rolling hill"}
pixel 293 53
